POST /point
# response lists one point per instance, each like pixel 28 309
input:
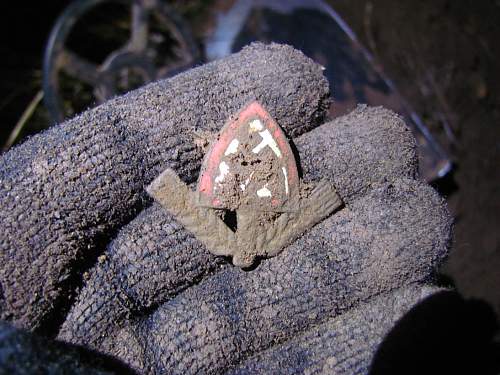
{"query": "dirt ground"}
pixel 442 54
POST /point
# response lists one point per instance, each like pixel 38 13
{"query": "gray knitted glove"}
pixel 86 256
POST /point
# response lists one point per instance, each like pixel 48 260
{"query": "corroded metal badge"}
pixel 249 201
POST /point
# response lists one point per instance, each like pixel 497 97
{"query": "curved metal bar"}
pixel 57 57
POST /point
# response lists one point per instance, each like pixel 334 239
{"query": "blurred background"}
pixel 436 62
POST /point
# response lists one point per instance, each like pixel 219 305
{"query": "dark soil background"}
pixel 444 56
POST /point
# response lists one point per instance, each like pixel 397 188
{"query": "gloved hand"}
pixel 88 257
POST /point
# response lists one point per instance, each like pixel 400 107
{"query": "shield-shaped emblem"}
pixel 251 166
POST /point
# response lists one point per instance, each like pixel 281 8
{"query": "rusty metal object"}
pixel 132 63
pixel 251 172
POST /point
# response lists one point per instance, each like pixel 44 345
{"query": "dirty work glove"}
pixel 88 257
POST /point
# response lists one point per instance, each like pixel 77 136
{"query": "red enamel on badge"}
pixel 251 164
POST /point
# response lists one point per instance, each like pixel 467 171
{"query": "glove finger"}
pixel 151 261
pixel 392 236
pixel 362 148
pixel 64 192
pixel 342 345
pixel 413 330
pixel 380 336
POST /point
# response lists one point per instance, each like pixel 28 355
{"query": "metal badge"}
pixel 249 201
